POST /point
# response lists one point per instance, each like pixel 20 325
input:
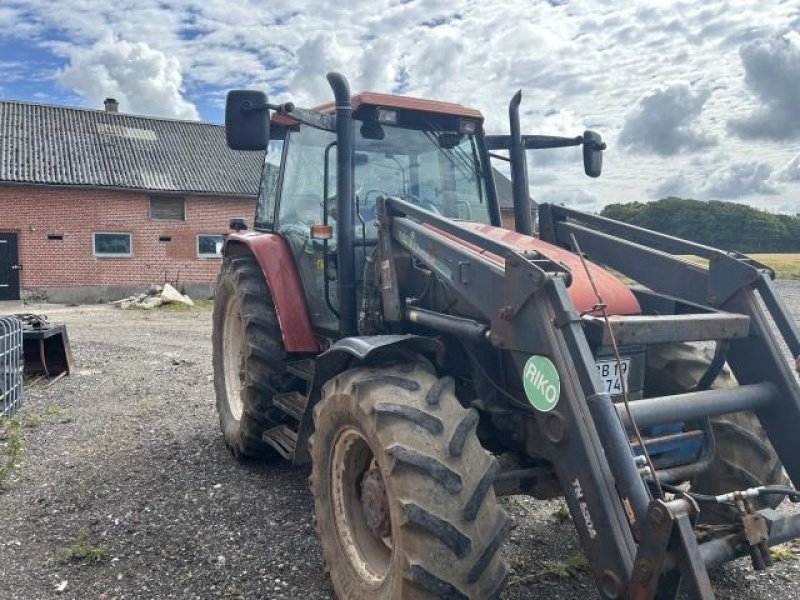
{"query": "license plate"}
pixel 610 375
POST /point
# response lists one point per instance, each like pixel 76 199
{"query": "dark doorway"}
pixel 9 267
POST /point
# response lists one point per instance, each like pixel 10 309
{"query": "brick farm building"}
pixel 96 204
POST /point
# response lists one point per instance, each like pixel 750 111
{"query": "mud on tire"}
pixel 247 356
pixel 437 530
pixel 745 458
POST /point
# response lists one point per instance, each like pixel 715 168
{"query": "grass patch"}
pixel 82 491
pixel 81 550
pixel 233 593
pixel 31 421
pixel 786 266
pixel 561 569
pixel 145 401
pixel 12 449
pixel 561 513
pixel 54 410
pixel 783 552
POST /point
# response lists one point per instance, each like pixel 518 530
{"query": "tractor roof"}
pixel 393 101
pixel 407 102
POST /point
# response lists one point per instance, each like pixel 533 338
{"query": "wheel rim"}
pixel 360 507
pixel 233 346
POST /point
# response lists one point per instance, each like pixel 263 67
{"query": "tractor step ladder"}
pixel 292 403
pixel 304 369
pixel 283 438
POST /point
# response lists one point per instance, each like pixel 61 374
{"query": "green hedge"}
pixel 724 225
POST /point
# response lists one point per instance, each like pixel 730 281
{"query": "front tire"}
pixel 247 357
pixel 403 494
pixel 745 458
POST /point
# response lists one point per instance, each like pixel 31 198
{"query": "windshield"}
pixel 440 172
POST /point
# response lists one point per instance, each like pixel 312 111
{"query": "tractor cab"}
pixel 431 154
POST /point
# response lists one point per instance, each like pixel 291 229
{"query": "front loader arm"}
pixel 528 295
pixel 637 546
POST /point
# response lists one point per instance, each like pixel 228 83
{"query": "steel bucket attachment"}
pixel 46 348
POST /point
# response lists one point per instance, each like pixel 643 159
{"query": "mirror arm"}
pixel 308 117
pixel 537 142
pixel 301 115
pixel 541 142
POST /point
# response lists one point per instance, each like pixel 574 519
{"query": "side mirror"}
pixel 246 120
pixel 593 147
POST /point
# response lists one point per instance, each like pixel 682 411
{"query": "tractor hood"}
pixel 618 297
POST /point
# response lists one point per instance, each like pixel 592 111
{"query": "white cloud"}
pixel 738 180
pixel 772 73
pixel 674 185
pixel 144 80
pixel 591 61
pixel 790 171
pixel 664 121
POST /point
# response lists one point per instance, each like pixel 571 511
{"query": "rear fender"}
pixel 345 354
pixel 283 281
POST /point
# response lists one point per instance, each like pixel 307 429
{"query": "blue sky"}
pixel 699 99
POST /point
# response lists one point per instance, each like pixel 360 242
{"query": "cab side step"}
pixel 304 369
pixel 282 439
pixel 292 403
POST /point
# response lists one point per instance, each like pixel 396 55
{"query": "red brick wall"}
pixel 36 211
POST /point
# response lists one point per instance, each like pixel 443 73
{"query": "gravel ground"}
pixel 126 456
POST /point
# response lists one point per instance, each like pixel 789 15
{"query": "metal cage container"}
pixel 11 358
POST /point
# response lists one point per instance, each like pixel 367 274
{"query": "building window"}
pixel 167 208
pixel 55 236
pixel 112 244
pixel 165 238
pixel 209 245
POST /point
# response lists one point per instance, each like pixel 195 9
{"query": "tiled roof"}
pixel 58 145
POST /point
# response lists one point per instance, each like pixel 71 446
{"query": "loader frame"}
pixel 637 545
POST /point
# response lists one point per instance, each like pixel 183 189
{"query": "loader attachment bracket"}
pixel 669 526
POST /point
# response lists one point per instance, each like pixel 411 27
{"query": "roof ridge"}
pixel 105 112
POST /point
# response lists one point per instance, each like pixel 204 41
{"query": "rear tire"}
pixel 403 494
pixel 247 356
pixel 745 458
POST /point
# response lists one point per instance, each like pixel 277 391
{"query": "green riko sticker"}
pixel 542 383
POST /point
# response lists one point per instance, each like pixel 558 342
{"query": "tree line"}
pixel 725 225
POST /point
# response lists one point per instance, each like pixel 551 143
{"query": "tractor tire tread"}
pixel 439 553
pixel 241 280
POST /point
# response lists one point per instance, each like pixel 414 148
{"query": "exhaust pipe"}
pixel 344 205
pixel 523 220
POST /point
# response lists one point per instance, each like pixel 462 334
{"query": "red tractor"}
pixel 378 322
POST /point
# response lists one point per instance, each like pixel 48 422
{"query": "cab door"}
pixel 302 204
